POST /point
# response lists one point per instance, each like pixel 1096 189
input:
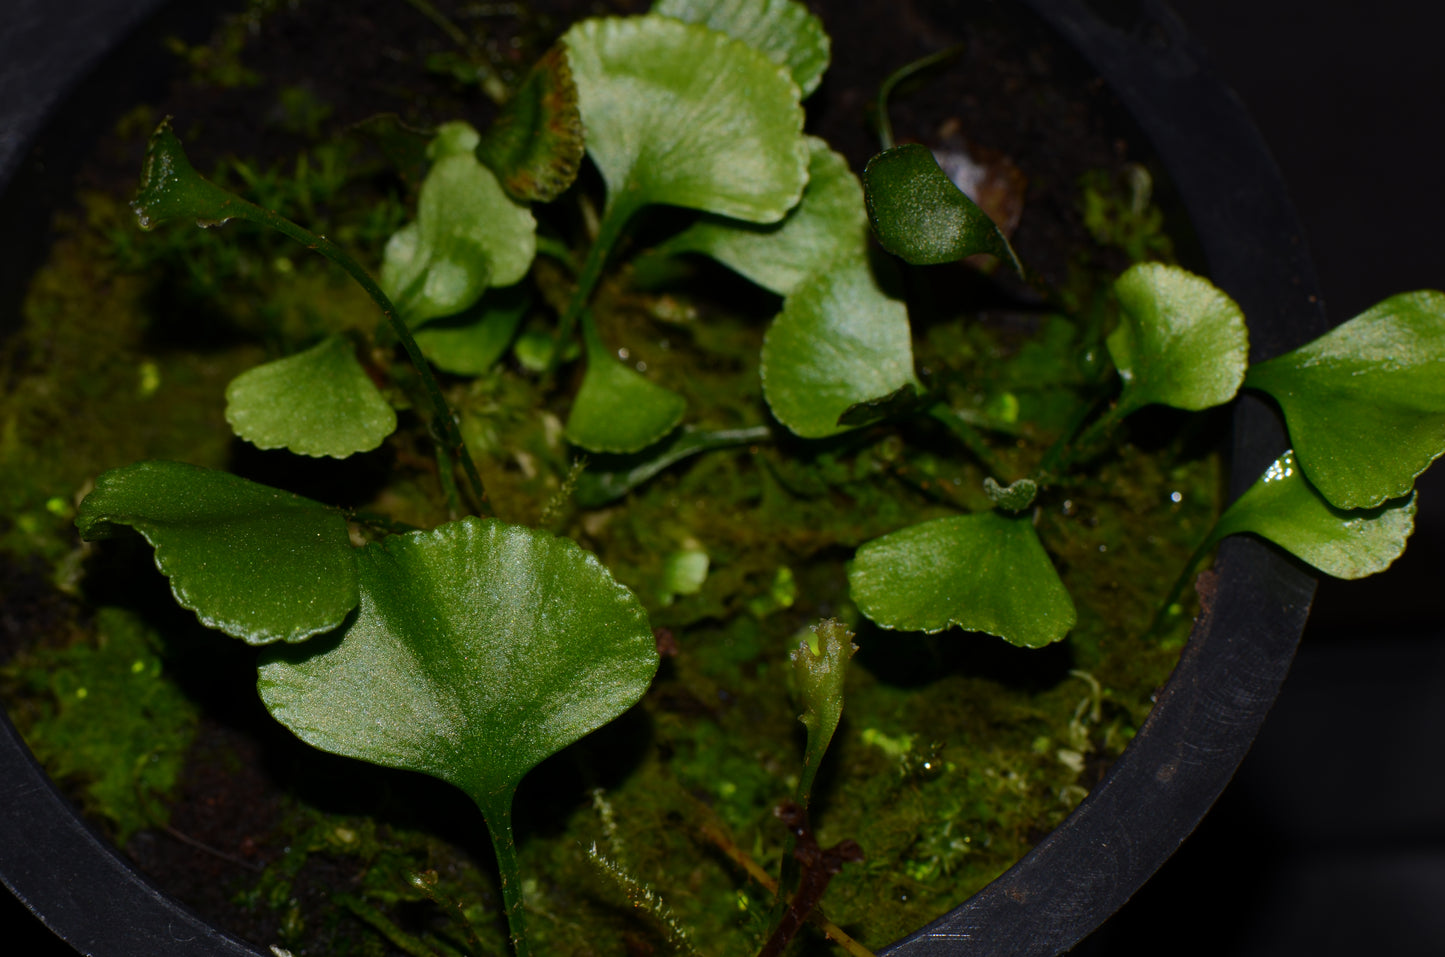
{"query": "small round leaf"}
pixel 983 572
pixel 1180 342
pixel 618 409
pixel 679 114
pixel 318 402
pixel 468 235
pixel 472 342
pixel 839 341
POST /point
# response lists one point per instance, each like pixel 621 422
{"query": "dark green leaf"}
pixel 479 650
pixel 679 114
pixel 318 402
pixel 921 217
pixel 1365 403
pixel 617 409
pixel 1180 342
pixel 535 146
pixel 839 341
pixel 255 562
pixel 170 187
pixel 468 235
pixel 828 223
pixel 984 572
pixel 784 30
pixel 1286 509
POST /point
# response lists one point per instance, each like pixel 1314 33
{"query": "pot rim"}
pixel 1209 711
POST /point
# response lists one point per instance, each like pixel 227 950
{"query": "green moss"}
pixel 106 717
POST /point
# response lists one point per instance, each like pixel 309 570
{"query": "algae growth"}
pixel 955 754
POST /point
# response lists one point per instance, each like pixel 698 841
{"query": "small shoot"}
pixel 1015 497
pixel 255 562
pixel 1365 403
pixel 783 30
pixel 319 402
pixel 479 650
pixel 816 678
pixel 468 234
pixel 839 341
pixel 827 223
pixel 921 217
pixel 1180 342
pixel 535 146
pixel 820 665
pixel 983 572
pixel 1283 507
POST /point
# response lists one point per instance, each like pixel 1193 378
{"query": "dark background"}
pixel 1331 840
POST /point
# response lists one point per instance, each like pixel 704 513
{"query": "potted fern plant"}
pixel 450 623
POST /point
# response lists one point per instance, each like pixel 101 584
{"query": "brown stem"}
pixel 819 865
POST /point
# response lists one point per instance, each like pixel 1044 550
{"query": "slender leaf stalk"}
pixel 1182 581
pixel 886 88
pixel 614 220
pixel 1076 440
pixel 971 439
pixel 497 810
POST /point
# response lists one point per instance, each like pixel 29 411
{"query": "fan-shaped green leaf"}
pixel 468 235
pixel 983 572
pixel 170 187
pixel 782 29
pixel 535 146
pixel 472 342
pixel 317 402
pixel 617 409
pixel 679 114
pixel 255 562
pixel 828 223
pixel 839 341
pixel 479 650
pixel 1286 509
pixel 1180 342
pixel 921 217
pixel 1365 403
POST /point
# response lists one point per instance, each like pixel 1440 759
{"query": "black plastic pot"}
pixel 1208 713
